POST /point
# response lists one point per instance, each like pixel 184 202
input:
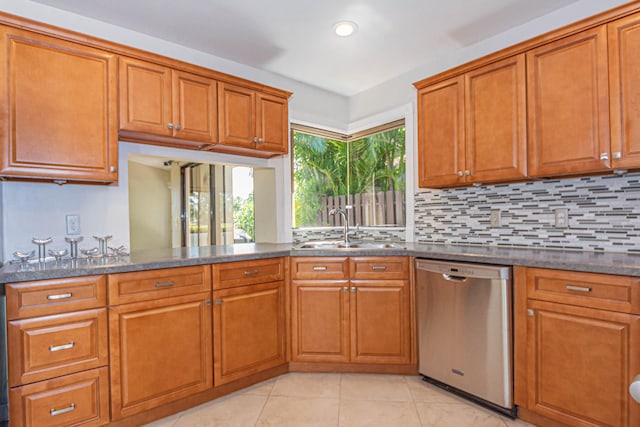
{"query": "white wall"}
pixel 264 195
pixel 400 90
pixel 149 207
pixel 39 209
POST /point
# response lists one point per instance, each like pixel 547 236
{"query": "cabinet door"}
pixel 248 331
pixel 441 136
pixel 236 115
pixel 580 363
pixel 380 321
pixel 568 105
pixel 145 97
pixel 59 109
pixel 160 352
pixel 272 123
pixel 496 107
pixel 195 109
pixel 624 68
pixel 320 321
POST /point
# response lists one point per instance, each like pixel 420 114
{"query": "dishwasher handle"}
pixel 452 278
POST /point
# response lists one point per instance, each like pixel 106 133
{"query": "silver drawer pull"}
pixel 54 412
pixel 59 296
pixel 164 284
pixel 53 348
pixel 578 288
pixel 379 267
pixel 251 273
pixel 320 268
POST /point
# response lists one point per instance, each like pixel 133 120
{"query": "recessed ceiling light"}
pixel 345 28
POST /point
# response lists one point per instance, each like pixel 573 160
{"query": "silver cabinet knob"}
pixel 113 169
pixel 617 155
pixel 460 173
pixel 170 125
pixel 260 140
pixel 467 173
pixel 604 156
pixel 178 127
pixel 634 389
pixel 255 139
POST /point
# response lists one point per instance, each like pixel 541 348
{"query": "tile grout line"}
pixel 264 405
pixel 413 401
pixel 340 398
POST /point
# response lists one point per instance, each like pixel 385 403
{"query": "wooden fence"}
pixel 381 208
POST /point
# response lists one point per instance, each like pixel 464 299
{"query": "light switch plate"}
pixel 561 218
pixel 494 218
pixel 73 225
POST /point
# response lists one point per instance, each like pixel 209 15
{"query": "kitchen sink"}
pixel 351 245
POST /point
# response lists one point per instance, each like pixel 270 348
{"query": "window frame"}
pixel 346 138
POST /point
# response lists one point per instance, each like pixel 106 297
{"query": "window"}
pixel 223 219
pixel 364 170
pixel 175 203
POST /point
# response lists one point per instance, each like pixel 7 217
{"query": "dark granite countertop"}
pixel 608 262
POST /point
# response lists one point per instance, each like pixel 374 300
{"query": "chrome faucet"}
pixel 345 222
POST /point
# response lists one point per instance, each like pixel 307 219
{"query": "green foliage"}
pixel 325 167
pixel 243 210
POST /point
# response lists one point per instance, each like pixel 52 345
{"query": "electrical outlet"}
pixel 561 217
pixel 73 225
pixel 494 218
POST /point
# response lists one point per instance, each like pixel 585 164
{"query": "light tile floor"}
pixel 339 400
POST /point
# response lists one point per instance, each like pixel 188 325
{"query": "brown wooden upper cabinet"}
pixel 251 121
pixel 166 106
pixel 583 111
pixel 59 103
pixel 568 101
pixel 472 127
pixel 624 80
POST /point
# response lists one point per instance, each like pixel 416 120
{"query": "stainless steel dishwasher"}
pixel 464 330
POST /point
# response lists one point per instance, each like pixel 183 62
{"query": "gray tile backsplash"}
pixel 603 214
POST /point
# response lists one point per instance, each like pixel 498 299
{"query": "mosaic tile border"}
pixel 394 234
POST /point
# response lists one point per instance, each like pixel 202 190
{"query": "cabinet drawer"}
pixel 162 283
pixel 77 399
pixel 379 268
pixel 603 291
pixel 320 268
pixel 43 297
pixel 241 273
pixel 47 347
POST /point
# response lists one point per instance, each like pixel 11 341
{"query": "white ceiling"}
pixel 294 38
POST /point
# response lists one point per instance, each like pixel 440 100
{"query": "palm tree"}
pixel 325 167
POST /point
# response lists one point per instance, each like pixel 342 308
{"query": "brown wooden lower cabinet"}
pixel 320 321
pixel 578 364
pixel 574 361
pixel 249 330
pixel 76 399
pixel 160 352
pixel 380 321
pixel 364 321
